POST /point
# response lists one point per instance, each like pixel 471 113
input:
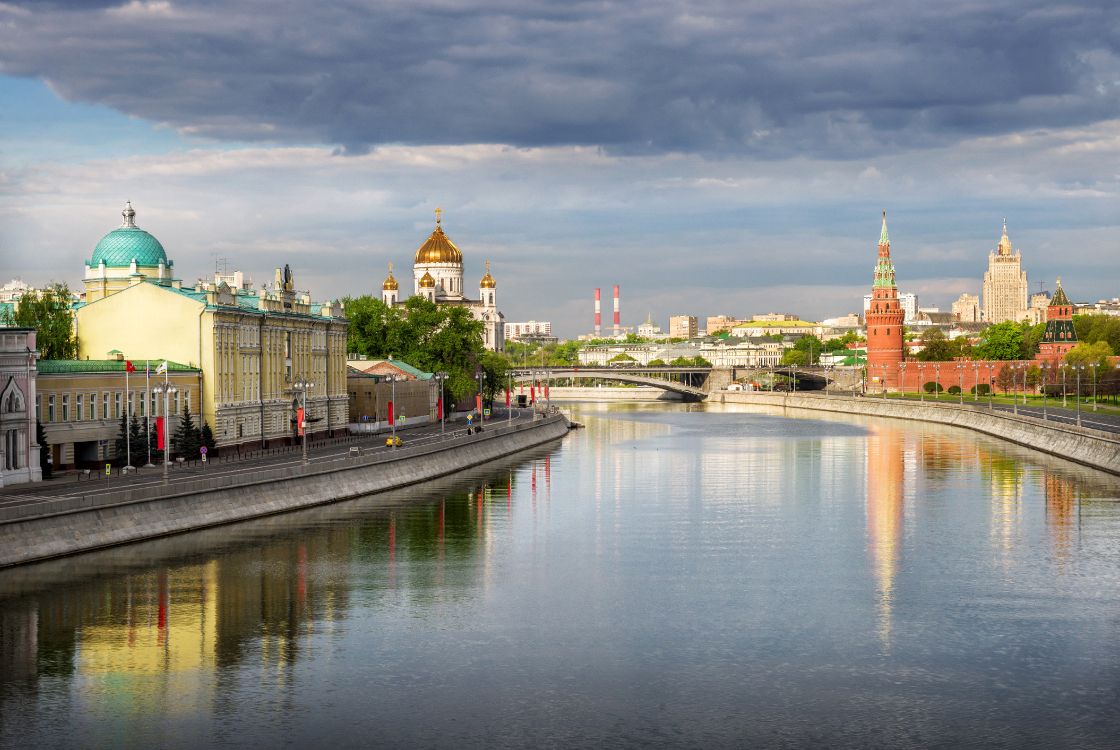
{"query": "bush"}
pixel 954 390
pixel 931 386
pixel 980 389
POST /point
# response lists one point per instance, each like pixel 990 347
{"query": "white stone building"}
pixel 19 450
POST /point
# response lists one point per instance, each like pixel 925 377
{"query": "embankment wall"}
pixel 1095 448
pixel 133 515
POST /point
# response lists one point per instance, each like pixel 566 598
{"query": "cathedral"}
pixel 437 276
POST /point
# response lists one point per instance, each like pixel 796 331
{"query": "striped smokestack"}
pixel 617 319
pixel 598 313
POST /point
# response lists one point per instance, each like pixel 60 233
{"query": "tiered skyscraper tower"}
pixel 884 319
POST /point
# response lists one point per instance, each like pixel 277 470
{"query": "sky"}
pixel 711 157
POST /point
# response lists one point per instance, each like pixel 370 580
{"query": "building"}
pixel 1040 304
pixel 719 323
pixel 80 403
pixel 753 329
pixel 851 320
pixel 884 319
pixel 252 347
pixel 758 352
pixel 1060 335
pixel 371 385
pixel 649 329
pixel 967 308
pixel 437 276
pixel 19 449
pixel 530 329
pixel 1005 284
pixel 683 327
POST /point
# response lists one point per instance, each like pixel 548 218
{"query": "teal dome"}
pixel 127 243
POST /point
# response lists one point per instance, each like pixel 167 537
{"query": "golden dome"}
pixel 487 280
pixel 438 248
pixel 427 282
pixel 390 284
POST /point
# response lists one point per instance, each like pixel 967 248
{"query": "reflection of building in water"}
pixel 886 471
pixel 19 642
pixel 1061 514
pixel 1006 477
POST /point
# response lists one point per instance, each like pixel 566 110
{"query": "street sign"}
pixel 108 469
pixel 203 455
pixel 485 412
pixel 202 450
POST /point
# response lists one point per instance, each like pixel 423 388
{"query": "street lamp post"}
pixel 1079 368
pixel 166 389
pixel 509 397
pixel 990 404
pixel 975 381
pixel 1042 370
pixel 1093 375
pixel 1064 387
pixel 921 385
pixel 1014 381
pixel 480 396
pixel 902 378
pixel 937 381
pixel 441 378
pixel 960 381
pixel 303 386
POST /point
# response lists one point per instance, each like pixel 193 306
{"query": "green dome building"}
pixel 125 256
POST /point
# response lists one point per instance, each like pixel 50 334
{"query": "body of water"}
pixel 672 575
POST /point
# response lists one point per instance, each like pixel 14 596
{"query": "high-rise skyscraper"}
pixel 1005 284
pixel 884 319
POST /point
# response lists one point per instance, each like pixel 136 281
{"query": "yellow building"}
pixel 252 346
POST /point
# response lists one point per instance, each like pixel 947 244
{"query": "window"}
pixel 66 407
pixel 39 407
pixel 78 404
pixel 105 406
pixel 92 414
pixel 117 405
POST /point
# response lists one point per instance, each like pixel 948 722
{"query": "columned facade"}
pixel 884 320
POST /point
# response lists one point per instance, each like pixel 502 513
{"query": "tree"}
pixel 1003 341
pixel 621 359
pixel 936 347
pixel 811 346
pixel 954 390
pixel 187 439
pixel 44 450
pixel 932 386
pixel 795 357
pixel 1093 328
pixel 1095 358
pixel 50 312
pixel 656 362
pixel 494 369
pixel 1032 337
pixel 121 455
pixel 1005 380
pixel 206 439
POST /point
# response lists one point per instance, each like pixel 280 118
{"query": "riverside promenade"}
pixel 84 515
pixel 1057 436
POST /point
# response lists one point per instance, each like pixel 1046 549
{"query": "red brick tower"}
pixel 884 320
pixel 1060 335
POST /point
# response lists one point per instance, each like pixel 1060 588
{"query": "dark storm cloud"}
pixel 824 77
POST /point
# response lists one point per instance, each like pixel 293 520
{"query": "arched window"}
pixel 491 298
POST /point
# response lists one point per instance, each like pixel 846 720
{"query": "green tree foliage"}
pixel 434 338
pixel 932 386
pixel 187 438
pixel 1093 328
pixel 937 347
pixel 51 314
pixel 494 369
pixel 1005 379
pixel 811 346
pixel 130 435
pixel 657 363
pixel 840 343
pixel 1032 337
pixel 696 361
pixel 1003 341
pixel 44 450
pixel 954 390
pixel 795 358
pixel 621 359
pixel 980 389
pixel 1093 357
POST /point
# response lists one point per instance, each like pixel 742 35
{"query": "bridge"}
pixel 636 375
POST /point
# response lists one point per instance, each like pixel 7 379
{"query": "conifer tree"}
pixel 44 450
pixel 120 448
pixel 206 438
pixel 187 439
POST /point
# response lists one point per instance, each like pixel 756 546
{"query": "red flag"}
pixel 439 406
pixel 532 394
pixel 391 413
pixel 546 391
pixel 159 433
pixel 507 398
pixel 129 367
pixel 478 403
pixel 299 421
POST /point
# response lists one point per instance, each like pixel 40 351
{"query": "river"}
pixel 672 575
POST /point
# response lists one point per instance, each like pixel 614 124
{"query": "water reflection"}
pixel 669 577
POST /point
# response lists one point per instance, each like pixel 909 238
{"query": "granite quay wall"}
pixel 80 523
pixel 1095 448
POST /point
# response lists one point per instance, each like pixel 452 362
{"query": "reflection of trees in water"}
pixel 254 599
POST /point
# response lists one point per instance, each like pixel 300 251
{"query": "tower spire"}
pixel 129 216
pixel 439 216
pixel 884 238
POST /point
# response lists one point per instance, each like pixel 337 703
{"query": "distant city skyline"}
pixel 749 179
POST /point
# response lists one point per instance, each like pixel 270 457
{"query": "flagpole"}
pixel 127 417
pixel 148 407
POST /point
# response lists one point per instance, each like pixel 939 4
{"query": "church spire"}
pixel 884 238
